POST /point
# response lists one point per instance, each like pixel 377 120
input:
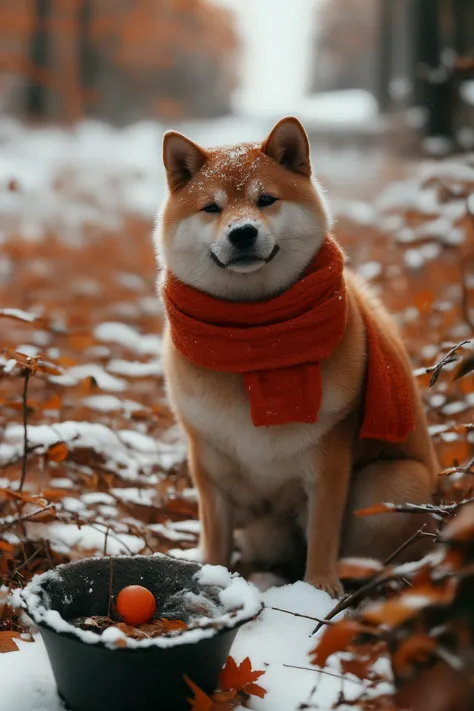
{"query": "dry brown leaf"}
pixel 58 452
pixel 7 641
pixel 200 700
pixel 461 528
pixel 241 678
pixel 173 625
pixel 407 604
pixel 335 638
pixel 375 509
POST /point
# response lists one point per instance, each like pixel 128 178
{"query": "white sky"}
pixel 276 35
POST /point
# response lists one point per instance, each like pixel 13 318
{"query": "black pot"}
pixel 149 677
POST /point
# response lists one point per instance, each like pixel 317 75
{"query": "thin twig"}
pixel 415 537
pixel 297 614
pixel 112 534
pixel 49 554
pixel 448 358
pixel 105 541
pixel 382 577
pixel 28 560
pixel 25 430
pixel 348 600
pixel 442 511
pixel 321 671
pixel 4 525
pixel 16 459
pixel 111 573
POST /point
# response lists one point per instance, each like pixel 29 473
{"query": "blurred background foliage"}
pixel 116 59
pixel 127 60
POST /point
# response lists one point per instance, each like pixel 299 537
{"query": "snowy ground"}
pixel 276 639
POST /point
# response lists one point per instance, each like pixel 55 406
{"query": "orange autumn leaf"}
pixel 44 366
pixel 53 403
pixel 17 405
pixel 200 701
pixel 461 528
pixel 119 642
pixel 24 360
pixel 57 452
pixel 241 678
pixel 7 641
pixel 406 606
pixel 25 498
pixel 375 509
pixel 336 638
pixel 255 690
pixel 229 676
pixel 456 451
pixel 35 364
pixel 356 667
pixel 173 625
pixel 45 516
pixel 424 300
pixel 57 494
pixel 416 649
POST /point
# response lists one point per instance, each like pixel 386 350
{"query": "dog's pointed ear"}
pixel 182 159
pixel 288 144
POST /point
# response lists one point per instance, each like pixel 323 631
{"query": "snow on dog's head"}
pixel 240 222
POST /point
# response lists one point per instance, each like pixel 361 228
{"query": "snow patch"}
pixel 116 332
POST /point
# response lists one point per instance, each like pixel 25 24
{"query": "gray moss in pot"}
pixel 113 672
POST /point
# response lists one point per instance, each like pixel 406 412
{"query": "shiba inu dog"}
pixel 289 378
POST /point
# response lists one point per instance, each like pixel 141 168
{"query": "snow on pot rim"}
pixel 238 601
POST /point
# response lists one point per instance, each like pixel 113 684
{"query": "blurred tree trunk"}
pixel 463 26
pixel 66 59
pixel 36 91
pixel 385 54
pixel 87 56
pixel 434 91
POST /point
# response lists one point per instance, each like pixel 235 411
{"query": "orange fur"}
pixel 280 485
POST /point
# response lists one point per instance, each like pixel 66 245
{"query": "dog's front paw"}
pixel 329 582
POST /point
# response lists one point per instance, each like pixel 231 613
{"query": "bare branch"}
pixel 25 429
pixel 297 614
pixel 5 525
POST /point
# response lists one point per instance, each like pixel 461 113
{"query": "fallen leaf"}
pixel 461 528
pixel 465 367
pixel 58 452
pixel 407 605
pixel 53 403
pixel 335 638
pixel 416 649
pixel 25 498
pixel 375 509
pixel 241 678
pixel 356 667
pixel 200 701
pixel 173 625
pixel 7 641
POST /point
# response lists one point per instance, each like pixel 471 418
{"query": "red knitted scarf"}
pixel 278 346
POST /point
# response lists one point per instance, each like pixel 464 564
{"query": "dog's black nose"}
pixel 243 237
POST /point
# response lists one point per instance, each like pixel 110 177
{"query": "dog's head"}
pixel 241 222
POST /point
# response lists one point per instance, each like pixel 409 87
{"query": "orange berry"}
pixel 135 604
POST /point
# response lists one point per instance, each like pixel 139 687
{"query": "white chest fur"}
pixel 251 462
